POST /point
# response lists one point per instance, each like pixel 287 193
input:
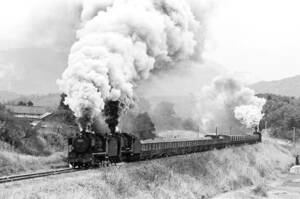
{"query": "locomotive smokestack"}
pixel 112 111
pixel 85 121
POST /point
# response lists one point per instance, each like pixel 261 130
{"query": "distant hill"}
pixel 47 100
pixel 288 86
pixel 7 96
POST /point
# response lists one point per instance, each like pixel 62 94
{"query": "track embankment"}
pixel 201 175
pixel 13 163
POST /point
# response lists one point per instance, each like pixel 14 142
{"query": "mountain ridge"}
pixel 289 86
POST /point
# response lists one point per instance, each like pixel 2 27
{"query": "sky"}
pixel 257 38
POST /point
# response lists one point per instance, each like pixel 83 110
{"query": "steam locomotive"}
pixel 92 149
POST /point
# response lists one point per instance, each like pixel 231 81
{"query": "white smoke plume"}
pixel 121 42
pixel 227 103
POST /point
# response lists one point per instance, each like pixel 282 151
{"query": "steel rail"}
pixel 14 178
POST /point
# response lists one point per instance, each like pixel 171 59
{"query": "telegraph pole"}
pixel 294 136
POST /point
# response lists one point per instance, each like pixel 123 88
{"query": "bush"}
pixel 21 135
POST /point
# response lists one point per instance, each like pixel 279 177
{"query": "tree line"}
pixel 281 115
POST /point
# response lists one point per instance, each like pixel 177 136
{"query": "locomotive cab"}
pixel 130 147
pixel 256 132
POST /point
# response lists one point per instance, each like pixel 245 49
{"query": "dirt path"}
pixel 288 187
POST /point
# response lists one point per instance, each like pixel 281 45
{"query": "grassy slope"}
pixel 12 162
pixel 192 176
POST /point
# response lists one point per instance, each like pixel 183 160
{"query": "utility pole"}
pixel 216 130
pixel 294 137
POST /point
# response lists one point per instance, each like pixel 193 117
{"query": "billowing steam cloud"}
pixel 120 43
pixel 227 103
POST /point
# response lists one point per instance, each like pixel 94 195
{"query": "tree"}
pixel 21 103
pixel 164 116
pixel 281 113
pixel 29 103
pixel 143 126
pixel 62 104
pixel 190 124
pixel 65 112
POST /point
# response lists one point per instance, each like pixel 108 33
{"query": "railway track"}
pixel 14 178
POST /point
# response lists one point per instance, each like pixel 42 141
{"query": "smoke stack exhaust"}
pixel 112 110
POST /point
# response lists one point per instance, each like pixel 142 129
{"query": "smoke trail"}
pixel 120 43
pixel 227 103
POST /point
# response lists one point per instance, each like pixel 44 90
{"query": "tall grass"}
pixel 13 162
pixel 200 175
